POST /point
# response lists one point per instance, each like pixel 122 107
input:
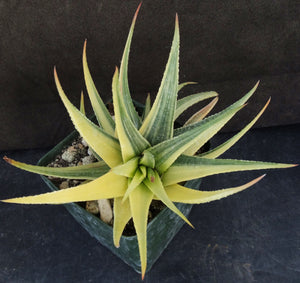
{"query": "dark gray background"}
pixel 250 237
pixel 225 46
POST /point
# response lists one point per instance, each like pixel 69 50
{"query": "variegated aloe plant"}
pixel 142 158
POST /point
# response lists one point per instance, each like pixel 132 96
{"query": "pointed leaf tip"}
pixel 8 160
pixel 256 85
pixel 137 11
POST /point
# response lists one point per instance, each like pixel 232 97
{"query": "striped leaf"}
pixel 158 125
pixel 102 114
pixel 200 141
pixel 182 85
pixel 127 169
pixel 123 79
pixel 133 183
pixel 193 167
pixel 158 190
pixel 188 101
pixel 216 152
pixel 106 146
pixel 147 107
pixel 202 113
pixel 131 141
pixel 167 152
pixel 82 172
pixel 82 108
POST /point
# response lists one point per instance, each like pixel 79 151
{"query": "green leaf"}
pixel 140 200
pixel 202 113
pixel 137 179
pixel 102 114
pixel 147 107
pixel 83 172
pixel 182 194
pixel 107 186
pixel 147 159
pixel 127 169
pixel 82 108
pixel 193 167
pixel 216 152
pixel 158 190
pixel 188 101
pixel 158 125
pixel 182 85
pixel 106 146
pixel 200 141
pixel 131 141
pixel 123 79
pixel 122 215
pixel 167 152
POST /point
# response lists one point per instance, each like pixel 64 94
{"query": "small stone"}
pixel 64 185
pixel 84 142
pixel 90 152
pixel 80 146
pixel 87 160
pixel 69 154
pixel 92 207
pixel 106 213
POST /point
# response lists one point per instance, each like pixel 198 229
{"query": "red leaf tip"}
pixel 8 160
pixel 137 11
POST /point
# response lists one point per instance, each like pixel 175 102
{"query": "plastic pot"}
pixel 160 230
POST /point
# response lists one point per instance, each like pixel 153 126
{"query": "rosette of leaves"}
pixel 142 158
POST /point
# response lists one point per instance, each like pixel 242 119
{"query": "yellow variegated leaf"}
pixel 147 107
pixel 82 108
pixel 178 193
pixel 201 141
pixel 131 141
pixel 193 167
pixel 107 186
pixel 202 113
pixel 157 188
pixel 103 144
pixel 138 178
pixel 122 215
pixel 206 135
pixel 140 200
pixel 188 101
pixel 168 151
pixel 147 159
pixel 216 152
pixel 182 85
pixel 123 78
pixel 159 123
pixel 127 169
pixel 102 114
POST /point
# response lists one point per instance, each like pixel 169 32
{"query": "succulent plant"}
pixel 142 157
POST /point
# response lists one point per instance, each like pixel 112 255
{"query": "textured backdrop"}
pixel 225 47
